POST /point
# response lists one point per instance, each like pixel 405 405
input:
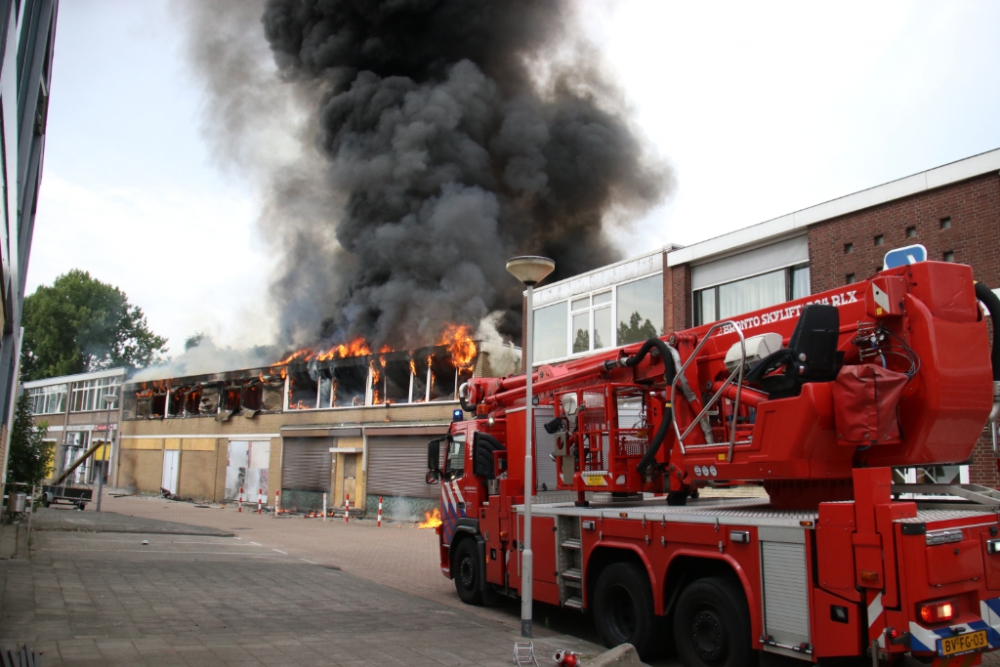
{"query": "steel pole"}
pixel 107 451
pixel 529 487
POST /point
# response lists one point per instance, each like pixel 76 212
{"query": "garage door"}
pixel 305 464
pixel 397 466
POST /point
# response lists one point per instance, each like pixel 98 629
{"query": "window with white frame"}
pixel 48 400
pixel 734 298
pixel 591 322
pixel 639 305
pixel 603 318
pixel 88 395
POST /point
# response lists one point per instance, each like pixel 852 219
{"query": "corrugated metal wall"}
pixel 305 464
pixel 397 466
pixel 545 444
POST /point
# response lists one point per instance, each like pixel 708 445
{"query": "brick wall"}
pixel 676 297
pixel 973 209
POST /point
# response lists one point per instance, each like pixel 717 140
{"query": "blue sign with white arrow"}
pixel 911 254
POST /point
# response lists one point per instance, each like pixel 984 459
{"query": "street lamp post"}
pixel 529 270
pixel 108 400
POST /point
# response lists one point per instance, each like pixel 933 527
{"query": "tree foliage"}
pixel 30 455
pixel 80 324
pixel 636 330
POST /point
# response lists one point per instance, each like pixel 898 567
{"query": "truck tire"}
pixel 712 625
pixel 465 571
pixel 623 608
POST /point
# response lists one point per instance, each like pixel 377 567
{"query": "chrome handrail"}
pixel 708 406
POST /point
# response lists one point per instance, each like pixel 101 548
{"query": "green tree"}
pixel 30 455
pixel 80 324
pixel 636 330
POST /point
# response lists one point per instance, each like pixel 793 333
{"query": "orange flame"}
pixel 356 348
pixel 432 519
pixel 376 400
pixel 460 345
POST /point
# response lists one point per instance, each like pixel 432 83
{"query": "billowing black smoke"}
pixel 456 134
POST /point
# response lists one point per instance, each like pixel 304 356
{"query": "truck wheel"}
pixel 465 572
pixel 623 608
pixel 712 625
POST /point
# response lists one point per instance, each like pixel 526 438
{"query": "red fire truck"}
pixel 815 400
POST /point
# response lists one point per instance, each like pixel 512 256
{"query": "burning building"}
pixel 344 420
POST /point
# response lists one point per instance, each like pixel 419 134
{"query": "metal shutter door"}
pixel 397 466
pixel 786 598
pixel 305 464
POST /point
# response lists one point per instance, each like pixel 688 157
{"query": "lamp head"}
pixel 530 269
pixel 109 399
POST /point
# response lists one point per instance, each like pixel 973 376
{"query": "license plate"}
pixel 967 643
pixel 595 480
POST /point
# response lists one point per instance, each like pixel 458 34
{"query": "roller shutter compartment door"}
pixel 305 464
pixel 397 466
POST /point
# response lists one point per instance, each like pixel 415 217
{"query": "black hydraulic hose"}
pixel 668 376
pixel 661 434
pixel 992 303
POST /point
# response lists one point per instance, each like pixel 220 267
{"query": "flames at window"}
pixel 336 376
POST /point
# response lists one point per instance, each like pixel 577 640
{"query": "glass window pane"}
pixel 800 282
pixel 581 332
pixel 602 327
pixel 581 303
pixel 751 294
pixel 640 310
pixel 706 306
pixel 549 339
pixel 603 297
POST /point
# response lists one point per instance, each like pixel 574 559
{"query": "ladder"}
pixel 569 562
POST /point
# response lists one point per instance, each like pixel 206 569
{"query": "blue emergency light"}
pixel 457 415
pixel 910 254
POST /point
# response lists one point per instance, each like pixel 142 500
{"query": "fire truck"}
pixel 816 400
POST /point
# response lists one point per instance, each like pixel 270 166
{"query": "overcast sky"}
pixel 761 108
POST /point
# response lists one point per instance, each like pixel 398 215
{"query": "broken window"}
pixel 396 381
pixel 325 388
pixel 192 401
pixel 175 407
pixel 350 383
pixel 443 377
pixel 150 401
pixel 418 371
pixel 230 402
pixel 272 393
pixel 302 389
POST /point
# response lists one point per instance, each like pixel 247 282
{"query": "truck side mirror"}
pixel 433 461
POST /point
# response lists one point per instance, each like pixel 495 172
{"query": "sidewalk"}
pixel 157 598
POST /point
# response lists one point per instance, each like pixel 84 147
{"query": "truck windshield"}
pixel 455 462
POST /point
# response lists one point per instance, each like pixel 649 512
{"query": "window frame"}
pixel 789 272
pixel 91 393
pixel 57 393
pixel 590 309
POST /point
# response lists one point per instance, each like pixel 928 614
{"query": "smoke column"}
pixel 438 138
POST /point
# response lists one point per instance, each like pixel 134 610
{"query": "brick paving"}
pixel 109 599
pixel 397 555
pixel 285 591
